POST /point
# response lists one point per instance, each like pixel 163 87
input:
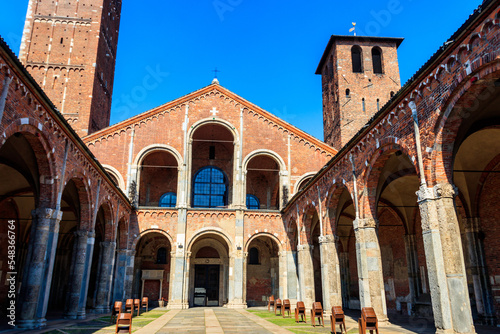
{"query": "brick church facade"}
pixel 209 200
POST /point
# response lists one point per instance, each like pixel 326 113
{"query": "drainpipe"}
pixel 413 108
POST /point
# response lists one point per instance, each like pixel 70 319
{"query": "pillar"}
pixel 292 277
pixel 282 273
pixel 120 271
pixel 475 251
pixel 412 261
pixel 129 274
pixel 306 275
pixel 237 266
pixel 371 279
pixel 40 263
pixel 330 272
pixel 105 276
pixel 345 279
pixel 76 275
pixel 445 262
pixel 86 276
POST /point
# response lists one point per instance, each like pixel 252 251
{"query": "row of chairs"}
pixel 368 320
pixel 124 319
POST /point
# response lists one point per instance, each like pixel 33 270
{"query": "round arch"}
pixel 150 231
pixel 118 176
pixel 218 121
pixel 301 180
pixel 139 158
pixel 267 153
pixel 262 235
pixel 207 231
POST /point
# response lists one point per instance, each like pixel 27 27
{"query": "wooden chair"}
pixel 129 306
pixel 278 306
pixel 137 306
pixel 338 317
pixel 124 323
pixel 145 303
pixel 286 308
pixel 115 312
pixel 317 312
pixel 300 311
pixel 270 303
pixel 368 321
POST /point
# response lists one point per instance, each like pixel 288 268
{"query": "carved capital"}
pixel 445 190
pixel 425 194
pixel 303 247
pixel 365 223
pixel 327 239
pixel 81 233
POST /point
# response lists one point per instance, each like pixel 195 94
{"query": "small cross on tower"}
pixel 214 111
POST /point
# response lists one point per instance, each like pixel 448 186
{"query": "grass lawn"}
pixel 102 325
pixel 291 325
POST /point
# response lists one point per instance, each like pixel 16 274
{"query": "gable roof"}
pixel 212 87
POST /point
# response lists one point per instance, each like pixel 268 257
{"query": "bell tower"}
pixel 69 47
pixel 359 75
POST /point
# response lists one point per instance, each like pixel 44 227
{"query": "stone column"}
pixel 292 277
pixel 105 276
pixel 306 275
pixel 412 262
pixel 40 263
pixel 86 276
pixel 129 274
pixel 179 270
pixel 475 250
pixel 371 279
pixel 345 279
pixel 445 262
pixel 330 272
pixel 236 265
pixel 120 273
pixel 282 273
pixel 76 275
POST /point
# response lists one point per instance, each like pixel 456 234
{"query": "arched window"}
pixel 348 93
pixel 161 256
pixel 252 202
pixel 357 58
pixel 377 60
pixel 168 200
pixel 210 188
pixel 253 256
pixel 392 95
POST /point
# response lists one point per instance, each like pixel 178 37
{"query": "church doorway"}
pixel 206 285
pixel 209 271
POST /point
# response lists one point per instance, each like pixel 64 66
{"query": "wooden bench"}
pixel 338 317
pixel 317 312
pixel 115 312
pixel 286 308
pixel 137 306
pixel 145 303
pixel 124 323
pixel 368 321
pixel 278 306
pixel 270 303
pixel 129 306
pixel 300 312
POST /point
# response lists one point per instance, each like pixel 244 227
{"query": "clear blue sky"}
pixel 267 51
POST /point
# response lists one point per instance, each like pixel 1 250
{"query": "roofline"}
pixel 19 69
pixel 483 10
pixel 205 89
pixel 360 39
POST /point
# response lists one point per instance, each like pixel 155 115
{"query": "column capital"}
pixel 328 239
pixel 442 190
pixel 107 243
pixel 47 213
pixel 81 233
pixel 303 247
pixel 365 223
pixel 91 234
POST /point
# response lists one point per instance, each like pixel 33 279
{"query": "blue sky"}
pixel 267 51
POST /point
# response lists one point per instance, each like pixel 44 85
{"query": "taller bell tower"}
pixel 359 75
pixel 69 47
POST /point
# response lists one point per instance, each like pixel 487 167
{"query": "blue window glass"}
pixel 210 188
pixel 168 200
pixel 252 202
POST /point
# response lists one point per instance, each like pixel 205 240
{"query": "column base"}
pixel 31 324
pixel 81 315
pixel 102 310
pixel 451 331
pixel 177 306
pixel 236 305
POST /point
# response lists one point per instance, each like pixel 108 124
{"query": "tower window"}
pixel 211 152
pixel 364 104
pixel 253 202
pixel 377 60
pixel 62 40
pixel 378 104
pixel 348 93
pixel 392 95
pixel 357 57
pixel 253 256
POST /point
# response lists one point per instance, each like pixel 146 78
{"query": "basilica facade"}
pixel 209 200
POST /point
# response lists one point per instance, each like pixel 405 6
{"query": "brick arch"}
pixel 263 235
pixel 121 232
pixel 292 233
pixel 216 121
pixel 114 172
pixel 492 165
pixel 464 96
pixel 46 160
pixel 301 180
pixel 107 208
pixel 151 231
pixel 139 158
pixel 208 231
pixel 332 205
pixel 268 153
pixel 371 175
pixel 306 231
pixel 84 196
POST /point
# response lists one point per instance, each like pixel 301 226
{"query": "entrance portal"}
pixel 206 285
